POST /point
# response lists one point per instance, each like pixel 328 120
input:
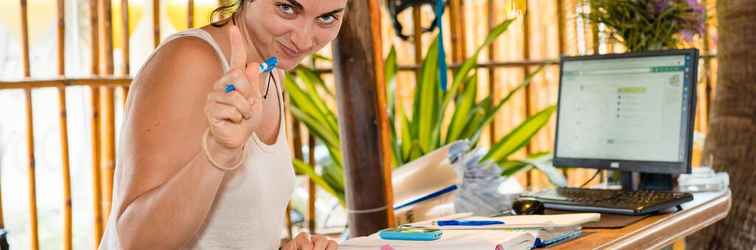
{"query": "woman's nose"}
pixel 303 38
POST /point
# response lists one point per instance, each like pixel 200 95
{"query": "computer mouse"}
pixel 528 206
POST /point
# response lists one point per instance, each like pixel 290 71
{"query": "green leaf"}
pixel 519 137
pixel 513 167
pixel 425 114
pixel 476 118
pixel 310 75
pixel 308 106
pixel 310 79
pixel 470 63
pixel 309 170
pixel 464 104
pixel 406 135
pixel 316 128
pixel 389 71
pixel 492 112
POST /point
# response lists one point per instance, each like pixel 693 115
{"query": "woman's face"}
pixel 292 29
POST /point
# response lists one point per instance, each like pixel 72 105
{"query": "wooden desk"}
pixel 657 231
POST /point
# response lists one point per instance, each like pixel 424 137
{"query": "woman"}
pixel 200 168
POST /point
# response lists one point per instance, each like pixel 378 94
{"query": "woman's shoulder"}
pixel 181 57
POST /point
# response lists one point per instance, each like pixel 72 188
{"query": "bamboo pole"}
pixel 31 171
pixel 96 175
pixel 125 38
pixel 457 23
pixel 529 88
pixel 95 36
pixel 67 202
pixel 561 26
pixel 126 47
pixel 67 82
pixel 417 36
pixel 96 187
pixel 492 51
pixel 32 181
pixel 311 188
pixel 190 14
pixel 417 39
pixel 107 113
pixel 296 138
pixel 155 23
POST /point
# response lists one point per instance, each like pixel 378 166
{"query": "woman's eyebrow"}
pixel 296 5
pixel 333 12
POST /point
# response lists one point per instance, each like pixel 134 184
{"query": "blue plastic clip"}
pixel 229 88
pixel 268 65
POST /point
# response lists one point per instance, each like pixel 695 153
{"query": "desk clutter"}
pixel 463 231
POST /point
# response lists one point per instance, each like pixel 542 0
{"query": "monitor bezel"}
pixel 661 167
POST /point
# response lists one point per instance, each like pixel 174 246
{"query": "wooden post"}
pixel 155 23
pixel 67 204
pixel 107 117
pixel 358 67
pixel 31 174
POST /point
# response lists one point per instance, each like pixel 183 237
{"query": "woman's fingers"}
pixel 223 112
pixel 303 242
pixel 238 50
pixel 233 99
pixel 332 245
pixel 319 242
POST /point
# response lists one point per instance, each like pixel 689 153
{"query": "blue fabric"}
pixel 441 53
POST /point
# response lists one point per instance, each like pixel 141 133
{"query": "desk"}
pixel 657 231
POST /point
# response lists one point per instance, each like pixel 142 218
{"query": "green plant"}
pixel 424 131
pixel 649 24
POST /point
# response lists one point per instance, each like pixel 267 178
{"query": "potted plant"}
pixel 643 25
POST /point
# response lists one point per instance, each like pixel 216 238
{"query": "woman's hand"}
pixel 234 116
pixel 304 241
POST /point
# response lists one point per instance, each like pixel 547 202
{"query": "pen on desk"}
pixel 442 223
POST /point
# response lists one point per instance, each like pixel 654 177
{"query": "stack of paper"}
pixel 426 187
pixel 451 239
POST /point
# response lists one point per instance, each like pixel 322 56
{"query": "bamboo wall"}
pixel 549 29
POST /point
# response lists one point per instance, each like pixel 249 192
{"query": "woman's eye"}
pixel 327 19
pixel 286 9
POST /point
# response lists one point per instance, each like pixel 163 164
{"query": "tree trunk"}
pixel 732 137
pixel 361 101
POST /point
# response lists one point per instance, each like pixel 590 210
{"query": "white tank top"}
pixel 248 211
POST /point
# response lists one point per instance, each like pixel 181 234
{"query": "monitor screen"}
pixel 621 109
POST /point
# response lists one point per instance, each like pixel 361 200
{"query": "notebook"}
pixel 450 240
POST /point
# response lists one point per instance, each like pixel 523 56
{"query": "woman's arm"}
pixel 165 184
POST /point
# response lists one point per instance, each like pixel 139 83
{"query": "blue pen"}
pixel 442 223
pixel 267 66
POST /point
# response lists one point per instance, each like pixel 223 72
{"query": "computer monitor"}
pixel 630 112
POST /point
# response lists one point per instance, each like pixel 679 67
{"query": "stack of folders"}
pixel 514 232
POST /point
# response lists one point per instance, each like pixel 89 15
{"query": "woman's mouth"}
pixel 289 52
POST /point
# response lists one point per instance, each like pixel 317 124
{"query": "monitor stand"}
pixel 633 181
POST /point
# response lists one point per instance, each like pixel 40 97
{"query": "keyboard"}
pixel 609 201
